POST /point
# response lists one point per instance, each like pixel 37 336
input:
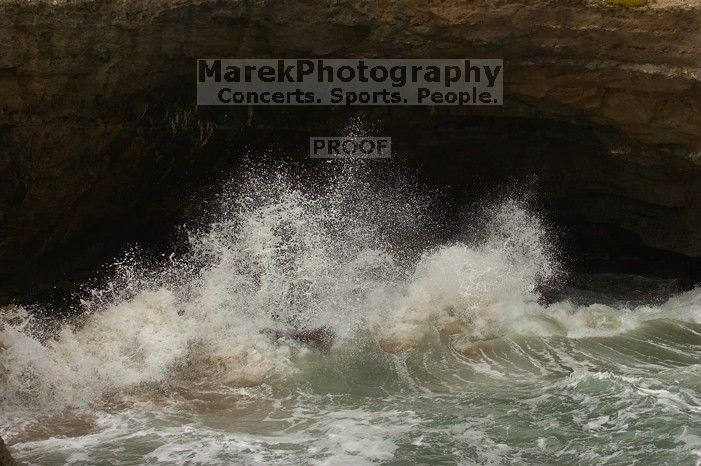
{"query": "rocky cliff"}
pixel 100 136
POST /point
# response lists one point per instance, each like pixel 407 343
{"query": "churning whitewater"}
pixel 440 352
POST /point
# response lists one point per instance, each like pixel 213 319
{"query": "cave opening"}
pixel 611 212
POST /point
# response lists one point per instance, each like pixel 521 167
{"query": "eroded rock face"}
pixel 5 457
pixel 100 135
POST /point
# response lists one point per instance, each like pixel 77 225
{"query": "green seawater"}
pixel 632 398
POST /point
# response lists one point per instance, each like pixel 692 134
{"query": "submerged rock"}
pixel 318 338
pixel 5 457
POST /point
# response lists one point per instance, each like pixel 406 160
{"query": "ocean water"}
pixel 444 351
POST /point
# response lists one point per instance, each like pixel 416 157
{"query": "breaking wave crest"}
pixel 355 255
